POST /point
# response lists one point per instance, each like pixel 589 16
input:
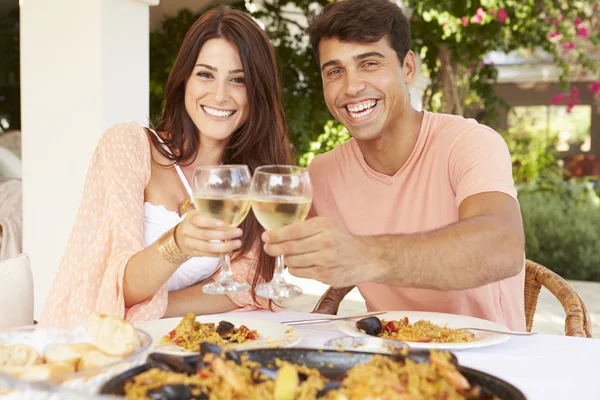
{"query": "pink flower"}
pixel 465 21
pixel 570 106
pixel 558 98
pixel 568 45
pixel 577 21
pixel 583 32
pixel 445 25
pixel 574 93
pixel 554 34
pixel 492 12
pixel 594 87
pixel 478 17
pixel 502 15
pixel 469 71
pixel 554 22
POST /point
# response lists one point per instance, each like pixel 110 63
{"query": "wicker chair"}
pixel 577 322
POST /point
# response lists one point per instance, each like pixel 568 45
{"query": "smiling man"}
pixel 417 209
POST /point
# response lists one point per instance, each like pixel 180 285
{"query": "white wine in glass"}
pixel 281 195
pixel 222 192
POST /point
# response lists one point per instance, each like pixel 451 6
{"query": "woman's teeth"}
pixel 217 113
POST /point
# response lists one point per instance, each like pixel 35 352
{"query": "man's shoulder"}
pixel 447 131
pixel 456 125
pixel 326 161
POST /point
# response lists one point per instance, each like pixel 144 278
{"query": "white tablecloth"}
pixel 542 366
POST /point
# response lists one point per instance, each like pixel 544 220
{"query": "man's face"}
pixel 365 86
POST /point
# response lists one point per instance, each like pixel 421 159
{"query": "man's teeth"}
pixel 217 113
pixel 363 109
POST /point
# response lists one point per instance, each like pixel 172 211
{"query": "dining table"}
pixel 541 366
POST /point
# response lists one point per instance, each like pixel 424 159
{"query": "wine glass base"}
pixel 225 287
pixel 278 291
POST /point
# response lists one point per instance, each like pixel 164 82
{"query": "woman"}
pixel 129 252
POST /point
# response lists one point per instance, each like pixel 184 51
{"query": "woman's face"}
pixel 215 93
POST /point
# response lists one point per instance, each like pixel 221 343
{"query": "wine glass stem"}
pixel 278 274
pixel 226 273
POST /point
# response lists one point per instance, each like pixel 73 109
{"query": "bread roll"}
pixel 112 335
pixel 14 355
pixel 42 372
pixel 69 353
pixel 96 359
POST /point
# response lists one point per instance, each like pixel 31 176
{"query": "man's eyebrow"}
pixel 369 54
pixel 358 57
pixel 330 63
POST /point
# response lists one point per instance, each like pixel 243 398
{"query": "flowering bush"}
pixel 455 36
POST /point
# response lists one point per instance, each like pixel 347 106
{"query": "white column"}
pixel 84 67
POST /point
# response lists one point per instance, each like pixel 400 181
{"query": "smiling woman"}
pixel 131 253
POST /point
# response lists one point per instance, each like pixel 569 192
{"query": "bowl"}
pixel 89 380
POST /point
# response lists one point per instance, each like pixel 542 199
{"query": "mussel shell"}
pixel 331 385
pixel 225 329
pixel 177 391
pixel 173 363
pixel 370 325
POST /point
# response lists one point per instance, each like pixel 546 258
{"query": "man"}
pixel 418 209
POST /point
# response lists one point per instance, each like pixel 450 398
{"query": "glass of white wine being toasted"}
pixel 281 195
pixel 222 192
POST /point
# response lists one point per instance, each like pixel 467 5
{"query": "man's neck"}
pixel 388 153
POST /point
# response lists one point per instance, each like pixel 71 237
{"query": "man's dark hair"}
pixel 362 21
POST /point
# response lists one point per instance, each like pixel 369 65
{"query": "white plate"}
pixel 482 339
pixel 271 334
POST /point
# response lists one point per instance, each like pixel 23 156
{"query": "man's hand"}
pixel 317 249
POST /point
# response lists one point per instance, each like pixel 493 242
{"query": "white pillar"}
pixel 84 67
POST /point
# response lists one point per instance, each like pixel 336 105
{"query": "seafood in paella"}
pixel 189 333
pixel 420 331
pixel 231 375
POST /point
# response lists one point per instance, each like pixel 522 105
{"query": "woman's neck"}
pixel 210 153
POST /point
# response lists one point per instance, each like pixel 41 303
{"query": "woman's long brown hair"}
pixel 261 140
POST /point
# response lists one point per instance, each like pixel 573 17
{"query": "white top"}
pixel 158 220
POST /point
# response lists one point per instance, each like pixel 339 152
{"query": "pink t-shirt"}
pixel 454 158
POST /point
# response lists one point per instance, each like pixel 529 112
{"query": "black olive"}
pixel 371 325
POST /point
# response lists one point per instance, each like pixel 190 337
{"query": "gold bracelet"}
pixel 168 249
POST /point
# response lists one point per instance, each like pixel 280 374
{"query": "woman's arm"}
pixel 193 299
pixel 196 236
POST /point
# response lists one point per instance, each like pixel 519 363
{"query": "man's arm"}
pixel 486 245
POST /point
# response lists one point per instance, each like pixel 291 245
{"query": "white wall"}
pixel 84 67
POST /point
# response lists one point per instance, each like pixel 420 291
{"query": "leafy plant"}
pixel 333 135
pixel 561 220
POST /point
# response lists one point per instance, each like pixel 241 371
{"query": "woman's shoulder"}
pixel 126 144
pixel 126 134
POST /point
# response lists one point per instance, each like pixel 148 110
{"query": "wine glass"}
pixel 222 192
pixel 281 195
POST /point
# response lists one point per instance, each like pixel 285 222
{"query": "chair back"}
pixel 16 292
pixel 577 321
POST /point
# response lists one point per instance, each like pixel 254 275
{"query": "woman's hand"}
pixel 201 236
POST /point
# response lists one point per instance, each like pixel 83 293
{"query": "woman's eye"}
pixel 239 80
pixel 204 74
